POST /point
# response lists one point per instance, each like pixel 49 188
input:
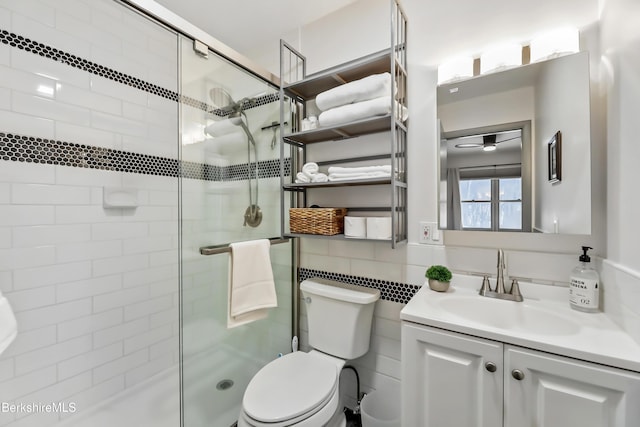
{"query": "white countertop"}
pixel 548 323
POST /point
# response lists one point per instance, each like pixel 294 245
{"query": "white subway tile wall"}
pixel 95 290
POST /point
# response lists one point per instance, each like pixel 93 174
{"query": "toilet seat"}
pixel 291 389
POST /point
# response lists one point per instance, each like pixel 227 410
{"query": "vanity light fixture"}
pixel 501 57
pixel 455 69
pixel 555 43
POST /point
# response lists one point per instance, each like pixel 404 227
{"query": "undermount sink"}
pixel 523 316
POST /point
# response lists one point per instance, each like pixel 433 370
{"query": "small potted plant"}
pixel 439 277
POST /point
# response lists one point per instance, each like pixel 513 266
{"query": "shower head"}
pixel 220 98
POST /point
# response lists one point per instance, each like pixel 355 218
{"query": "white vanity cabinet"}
pixel 452 379
pixel 559 391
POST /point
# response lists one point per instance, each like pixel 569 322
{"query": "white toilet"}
pixel 300 388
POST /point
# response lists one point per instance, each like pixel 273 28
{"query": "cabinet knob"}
pixel 490 366
pixel 517 374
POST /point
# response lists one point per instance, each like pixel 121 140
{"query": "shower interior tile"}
pixel 73 95
pixel 28 383
pixel 119 332
pixel 49 109
pixel 47 194
pixel 58 71
pixel 16 215
pixel 50 275
pixel 25 124
pixel 87 288
pixel 5 193
pixel 53 37
pixel 31 340
pixel 5 19
pixel 99 39
pixel 72 133
pixel 6 369
pixel 90 177
pixel 48 356
pixel 43 316
pixel 121 124
pixel 32 298
pixel 75 8
pixel 89 324
pixel 120 366
pixel 5 54
pixel 120 230
pixel 35 10
pixel 87 251
pixel 118 90
pixel 5 98
pixel 27 82
pixel 129 297
pixel 88 360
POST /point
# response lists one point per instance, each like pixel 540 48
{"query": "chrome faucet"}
pixel 500 293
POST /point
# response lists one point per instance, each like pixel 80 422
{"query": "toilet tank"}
pixel 339 316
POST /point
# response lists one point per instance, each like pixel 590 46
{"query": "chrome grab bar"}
pixel 219 249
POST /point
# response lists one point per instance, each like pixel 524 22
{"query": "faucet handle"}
pixel 486 285
pixel 515 290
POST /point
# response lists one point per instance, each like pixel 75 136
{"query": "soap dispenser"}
pixel 584 286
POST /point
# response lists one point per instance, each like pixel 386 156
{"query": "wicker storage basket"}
pixel 324 221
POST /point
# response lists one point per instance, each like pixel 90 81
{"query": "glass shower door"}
pixel 230 158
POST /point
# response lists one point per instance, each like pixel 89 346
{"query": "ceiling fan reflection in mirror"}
pixel 488 142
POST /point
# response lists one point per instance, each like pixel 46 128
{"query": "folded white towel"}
pixel 8 325
pixel 310 169
pixel 222 127
pixel 370 87
pixel 356 176
pixel 302 178
pixel 251 286
pixel 360 169
pixel 358 111
pixel 320 177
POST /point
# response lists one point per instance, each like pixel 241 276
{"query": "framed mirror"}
pixel 500 141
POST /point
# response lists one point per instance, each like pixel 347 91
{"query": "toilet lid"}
pixel 289 387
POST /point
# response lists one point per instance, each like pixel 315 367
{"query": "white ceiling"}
pixel 241 24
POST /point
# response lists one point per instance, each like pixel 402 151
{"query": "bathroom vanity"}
pixel 469 360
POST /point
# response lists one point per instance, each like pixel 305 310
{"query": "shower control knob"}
pixel 517 374
pixel 490 366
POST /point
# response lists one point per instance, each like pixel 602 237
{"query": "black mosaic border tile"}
pixel 28 149
pixel 41 49
pixel 390 291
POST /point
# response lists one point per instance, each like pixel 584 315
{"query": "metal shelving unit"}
pixel 297 88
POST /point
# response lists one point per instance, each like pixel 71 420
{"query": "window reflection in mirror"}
pixel 493 154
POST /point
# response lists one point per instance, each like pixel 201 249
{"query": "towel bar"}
pixel 219 249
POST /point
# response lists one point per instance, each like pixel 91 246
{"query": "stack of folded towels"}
pixel 311 173
pixel 360 99
pixel 363 172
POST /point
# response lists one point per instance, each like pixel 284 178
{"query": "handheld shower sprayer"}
pixel 237 116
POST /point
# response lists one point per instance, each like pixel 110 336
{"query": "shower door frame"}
pixel 159 13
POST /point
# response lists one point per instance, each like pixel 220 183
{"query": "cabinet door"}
pixel 450 379
pixel 558 391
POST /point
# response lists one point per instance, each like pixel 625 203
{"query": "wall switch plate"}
pixel 429 233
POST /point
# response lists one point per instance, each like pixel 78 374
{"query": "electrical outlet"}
pixel 425 232
pixel 429 233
